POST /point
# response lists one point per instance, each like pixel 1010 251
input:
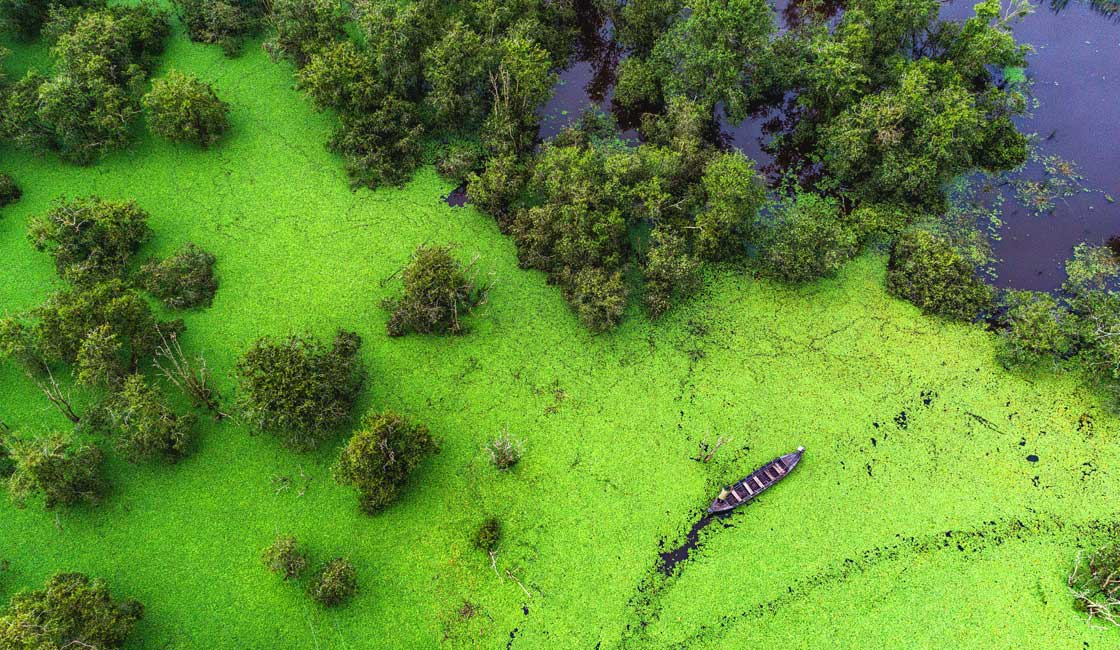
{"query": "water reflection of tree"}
pixel 1110 8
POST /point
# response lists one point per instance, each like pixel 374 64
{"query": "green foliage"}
pixel 1091 269
pixel 670 271
pixel 460 159
pixel 72 611
pixel 183 281
pixel 181 108
pixel 61 326
pixel 382 147
pixel 285 558
pixel 299 389
pixel 489 535
pixel 90 238
pixel 734 194
pixel 334 583
pixel 341 76
pixel 505 451
pixel 438 293
pixel 930 272
pixel 458 69
pixel 302 28
pixel 1037 328
pixel 521 83
pixel 9 191
pixel 380 457
pixel 498 186
pixel 146 428
pixel 62 469
pixel 102 58
pixel 807 238
pixel 27 17
pixel 640 23
pixel 222 22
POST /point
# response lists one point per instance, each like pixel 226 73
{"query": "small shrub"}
pixel 334 583
pixel 1094 584
pixel 380 457
pixel 438 293
pixel 73 611
pixel 147 428
pixel 489 535
pixel 182 108
pixel 9 191
pixel 1037 328
pixel 183 281
pixel 63 470
pixel 90 238
pixel 285 558
pixel 927 270
pixel 505 451
pixel 299 389
pixel 807 239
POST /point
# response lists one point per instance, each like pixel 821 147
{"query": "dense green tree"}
pixel 1037 328
pixel 146 428
pixel 224 22
pixel 926 269
pixel 184 280
pixel 334 583
pixel 298 388
pixel 734 193
pixel 598 296
pixel 457 67
pixel 285 558
pixel 62 469
pixel 181 108
pixel 460 159
pixel 670 271
pixel 806 238
pixel 72 611
pixel 380 456
pixel 497 187
pixel 303 27
pixel 62 325
pixel 640 23
pixel 1092 273
pixel 519 85
pixel 9 190
pixel 342 77
pixel 382 147
pixel 439 293
pixel 27 17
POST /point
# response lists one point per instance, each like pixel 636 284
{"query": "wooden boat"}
pixel 757 483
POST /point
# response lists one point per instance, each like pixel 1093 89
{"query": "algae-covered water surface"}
pixel 940 501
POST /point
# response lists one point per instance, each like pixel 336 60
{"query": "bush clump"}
pixel 489 535
pixel 334 583
pixel 285 558
pixel 183 281
pixel 298 388
pixel 505 451
pixel 146 427
pixel 62 469
pixel 1037 328
pixel 9 191
pixel 807 239
pixel 219 22
pixel 90 238
pixel 181 108
pixel 72 611
pixel 380 457
pixel 930 272
pixel 439 293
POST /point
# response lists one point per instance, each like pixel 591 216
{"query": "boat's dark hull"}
pixel 758 482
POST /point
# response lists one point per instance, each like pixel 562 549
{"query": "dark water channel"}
pixel 1076 73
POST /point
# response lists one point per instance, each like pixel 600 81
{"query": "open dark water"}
pixel 1076 74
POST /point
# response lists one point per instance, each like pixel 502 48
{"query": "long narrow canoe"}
pixel 757 483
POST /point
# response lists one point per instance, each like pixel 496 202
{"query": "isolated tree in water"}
pixel 380 457
pixel 439 293
pixel 181 108
pixel 63 470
